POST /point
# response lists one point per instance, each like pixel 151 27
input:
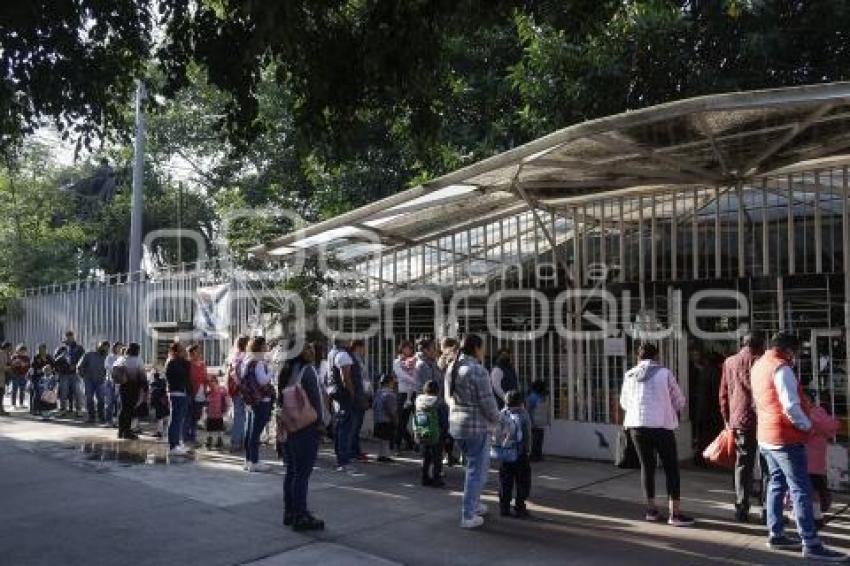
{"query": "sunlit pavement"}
pixel 73 494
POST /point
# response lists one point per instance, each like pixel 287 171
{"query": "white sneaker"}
pixel 248 466
pixel 482 510
pixel 342 468
pixel 178 450
pixel 472 523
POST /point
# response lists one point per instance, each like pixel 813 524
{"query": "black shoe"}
pixel 307 522
pixel 288 519
pixel 521 512
pixel 784 542
pixel 742 515
pixel 131 436
pixel 438 483
pixel 384 459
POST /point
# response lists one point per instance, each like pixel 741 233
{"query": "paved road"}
pixel 71 495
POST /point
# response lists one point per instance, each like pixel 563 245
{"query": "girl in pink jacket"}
pixel 216 409
pixel 824 427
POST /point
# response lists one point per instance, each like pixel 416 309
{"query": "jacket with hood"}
pixel 651 397
pixel 425 402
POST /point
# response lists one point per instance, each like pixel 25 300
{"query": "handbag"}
pixel 721 451
pixel 49 397
pixel 626 456
pixel 296 412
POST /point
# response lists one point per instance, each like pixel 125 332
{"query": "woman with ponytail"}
pixel 473 414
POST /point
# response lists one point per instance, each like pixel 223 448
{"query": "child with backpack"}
pixel 159 403
pixel 824 427
pixel 538 411
pixel 430 425
pixel 217 405
pixel 385 412
pixel 510 446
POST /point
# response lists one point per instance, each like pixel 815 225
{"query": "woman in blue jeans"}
pixel 301 447
pixel 473 413
pixel 177 375
pixel 254 368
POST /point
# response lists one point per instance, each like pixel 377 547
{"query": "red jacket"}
pixel 736 392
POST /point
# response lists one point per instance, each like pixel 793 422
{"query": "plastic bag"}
pixel 721 452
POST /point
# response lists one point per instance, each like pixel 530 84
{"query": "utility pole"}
pixel 180 224
pixel 137 202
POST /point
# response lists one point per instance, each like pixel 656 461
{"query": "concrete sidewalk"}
pixel 72 494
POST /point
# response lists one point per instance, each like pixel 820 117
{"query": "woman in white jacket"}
pixel 652 400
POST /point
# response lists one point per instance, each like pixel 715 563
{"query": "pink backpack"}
pixel 295 412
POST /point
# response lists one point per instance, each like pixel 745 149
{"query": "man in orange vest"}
pixel 782 430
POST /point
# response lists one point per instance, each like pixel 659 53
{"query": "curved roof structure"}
pixel 725 140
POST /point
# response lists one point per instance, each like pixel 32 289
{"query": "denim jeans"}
pixel 476 452
pixel 237 431
pixel 94 389
pixel 258 418
pixel 190 433
pixel 110 406
pixel 19 389
pixel 788 469
pixel 358 415
pixel 343 436
pixel 299 455
pixel 179 408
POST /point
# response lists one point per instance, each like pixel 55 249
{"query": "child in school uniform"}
pixel 159 403
pixel 538 411
pixel 511 442
pixel 217 403
pixel 385 411
pixel 431 424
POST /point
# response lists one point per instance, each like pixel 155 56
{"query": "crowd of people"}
pixel 770 414
pixel 444 403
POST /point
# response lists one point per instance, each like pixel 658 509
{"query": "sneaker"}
pixel 178 450
pixel 342 468
pixel 679 520
pixel 482 510
pixel 784 542
pixel 248 466
pixel 653 516
pixel 472 523
pixel 820 553
pixel 307 522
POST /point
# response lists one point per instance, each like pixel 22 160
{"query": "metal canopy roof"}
pixel 709 141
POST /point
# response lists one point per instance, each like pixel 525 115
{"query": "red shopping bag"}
pixel 721 452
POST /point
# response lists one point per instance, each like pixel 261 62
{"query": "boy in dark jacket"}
pixel 514 430
pixel 431 424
